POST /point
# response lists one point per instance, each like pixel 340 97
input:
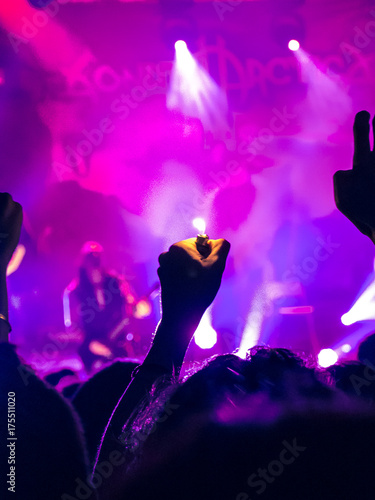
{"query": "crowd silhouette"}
pixel 273 424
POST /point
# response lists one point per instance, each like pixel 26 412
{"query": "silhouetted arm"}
pixel 355 189
pixel 189 284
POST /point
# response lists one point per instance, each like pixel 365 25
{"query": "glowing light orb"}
pixel 200 225
pixel 180 45
pixel 346 348
pixel 346 319
pixel 205 336
pixel 293 45
pixel 142 309
pixel 99 349
pixel 327 357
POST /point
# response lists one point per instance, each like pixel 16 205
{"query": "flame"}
pixel 200 225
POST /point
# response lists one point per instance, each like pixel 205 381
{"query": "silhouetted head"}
pixel 91 255
pixel 354 378
pixel 97 398
pixel 260 447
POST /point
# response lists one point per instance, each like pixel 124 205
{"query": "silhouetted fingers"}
pixel 343 191
pixel 161 258
pixel 220 250
pixel 361 131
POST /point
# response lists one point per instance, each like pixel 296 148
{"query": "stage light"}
pixel 200 225
pixel 184 59
pixel 66 307
pixel 363 307
pixel 253 327
pixel 346 348
pixel 16 259
pixel 180 45
pixel 142 309
pixel 288 27
pixel 293 45
pixel 346 319
pixel 100 349
pixel 194 93
pixel 205 336
pixel 327 357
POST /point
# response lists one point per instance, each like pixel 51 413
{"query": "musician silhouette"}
pixel 97 308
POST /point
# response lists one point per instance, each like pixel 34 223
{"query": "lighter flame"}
pixel 200 225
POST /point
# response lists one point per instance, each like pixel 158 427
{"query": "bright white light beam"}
pixel 363 309
pixel 194 93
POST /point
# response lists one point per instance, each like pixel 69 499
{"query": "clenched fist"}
pixel 189 281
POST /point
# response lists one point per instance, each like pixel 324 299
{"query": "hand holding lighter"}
pixel 202 245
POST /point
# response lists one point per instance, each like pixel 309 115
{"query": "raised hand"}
pixel 189 281
pixel 355 189
pixel 189 284
pixel 10 227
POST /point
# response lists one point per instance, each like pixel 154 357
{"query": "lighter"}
pixel 202 239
